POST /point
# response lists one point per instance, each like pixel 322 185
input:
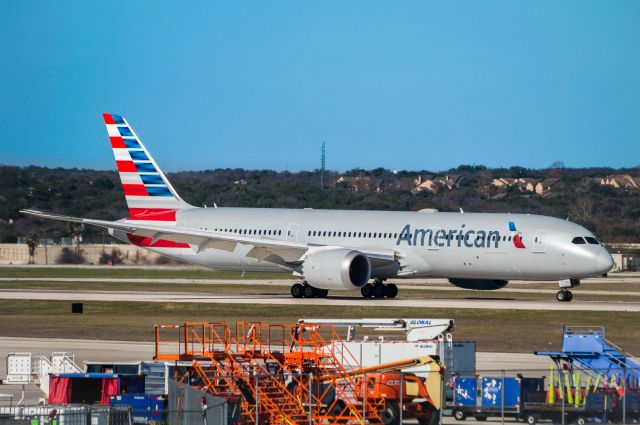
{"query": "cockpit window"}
pixel 578 240
pixel 592 240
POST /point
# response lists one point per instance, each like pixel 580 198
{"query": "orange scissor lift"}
pixel 284 374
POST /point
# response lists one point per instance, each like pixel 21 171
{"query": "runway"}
pixel 285 299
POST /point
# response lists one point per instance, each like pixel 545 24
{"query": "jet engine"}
pixel 479 284
pixel 336 268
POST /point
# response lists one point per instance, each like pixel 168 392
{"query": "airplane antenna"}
pixel 322 163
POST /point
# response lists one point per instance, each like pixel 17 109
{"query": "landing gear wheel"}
pixel 564 296
pixel 390 290
pixel 378 291
pixel 297 291
pixel 309 292
pixel 367 290
pixel 459 415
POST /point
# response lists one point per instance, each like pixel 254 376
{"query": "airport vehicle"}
pixel 486 396
pixel 344 250
pixel 405 395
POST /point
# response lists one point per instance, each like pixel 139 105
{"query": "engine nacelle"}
pixel 479 284
pixel 336 268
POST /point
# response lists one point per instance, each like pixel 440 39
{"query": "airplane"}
pixel 338 250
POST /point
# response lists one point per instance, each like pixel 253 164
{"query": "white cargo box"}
pixel 18 368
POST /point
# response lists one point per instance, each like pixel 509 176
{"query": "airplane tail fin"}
pixel 147 190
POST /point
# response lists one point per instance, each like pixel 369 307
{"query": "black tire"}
pixel 580 421
pixel 367 290
pixel 309 292
pixel 390 415
pixel 569 296
pixel 337 409
pixel 481 418
pixel 378 291
pixel 322 293
pixel 530 419
pixel 390 290
pixel 459 415
pixel 561 296
pixel 432 416
pixel 297 291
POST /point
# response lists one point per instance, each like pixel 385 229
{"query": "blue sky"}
pixel 400 85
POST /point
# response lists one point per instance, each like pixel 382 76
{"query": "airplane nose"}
pixel 604 262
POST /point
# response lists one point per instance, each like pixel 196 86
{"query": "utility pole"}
pixel 322 163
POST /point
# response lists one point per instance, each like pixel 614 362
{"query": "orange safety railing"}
pixel 286 374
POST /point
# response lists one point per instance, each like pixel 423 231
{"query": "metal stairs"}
pixel 284 374
pixel 587 349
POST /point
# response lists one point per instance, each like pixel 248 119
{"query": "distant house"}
pixel 437 184
pixel 430 185
pixel 621 181
pixel 547 185
pixel 526 184
pixel 452 181
pixel 503 182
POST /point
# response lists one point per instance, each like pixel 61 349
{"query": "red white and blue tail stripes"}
pixel 149 194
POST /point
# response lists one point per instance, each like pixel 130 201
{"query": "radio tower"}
pixel 322 158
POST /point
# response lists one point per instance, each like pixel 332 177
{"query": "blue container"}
pixel 465 391
pixel 492 392
pixel 146 408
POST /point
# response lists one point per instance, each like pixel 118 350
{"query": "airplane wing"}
pixel 288 253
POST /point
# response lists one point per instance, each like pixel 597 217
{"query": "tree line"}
pixel 613 214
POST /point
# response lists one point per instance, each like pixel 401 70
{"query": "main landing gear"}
pixel 304 290
pixel 379 290
pixel 564 294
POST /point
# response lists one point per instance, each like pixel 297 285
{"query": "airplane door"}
pixel 539 243
pixel 292 232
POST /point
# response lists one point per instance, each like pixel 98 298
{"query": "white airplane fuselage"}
pixel 443 244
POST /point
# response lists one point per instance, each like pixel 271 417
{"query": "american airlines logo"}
pixel 470 238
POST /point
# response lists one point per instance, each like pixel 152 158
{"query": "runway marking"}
pixel 177 297
pixel 416 284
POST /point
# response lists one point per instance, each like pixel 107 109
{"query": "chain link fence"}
pixel 554 395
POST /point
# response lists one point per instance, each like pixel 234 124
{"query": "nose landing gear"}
pixel 564 294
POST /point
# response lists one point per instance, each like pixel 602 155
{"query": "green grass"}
pixel 258 289
pixel 493 330
pixel 133 272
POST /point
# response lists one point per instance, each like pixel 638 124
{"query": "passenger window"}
pixel 592 240
pixel 578 241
